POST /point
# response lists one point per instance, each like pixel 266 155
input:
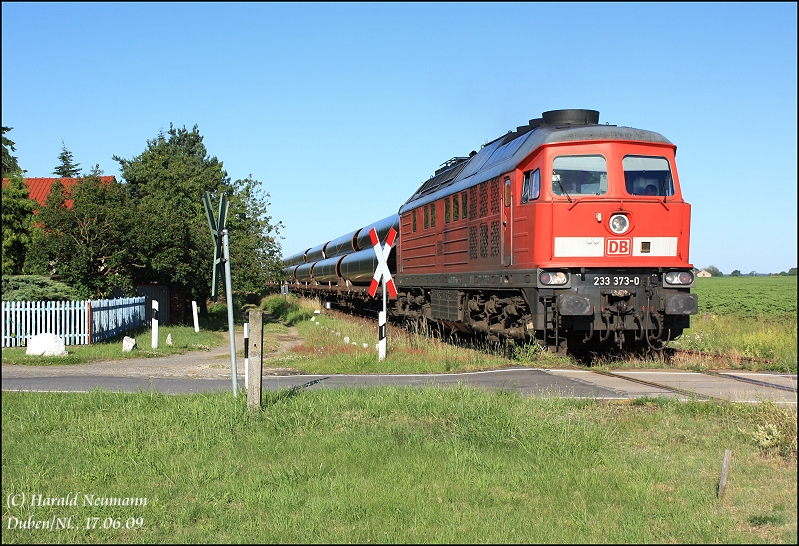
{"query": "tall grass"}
pixel 338 343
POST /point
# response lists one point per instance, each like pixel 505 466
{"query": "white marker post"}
pixel 154 341
pixel 382 272
pixel 196 319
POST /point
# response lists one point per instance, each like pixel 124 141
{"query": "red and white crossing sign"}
pixel 382 271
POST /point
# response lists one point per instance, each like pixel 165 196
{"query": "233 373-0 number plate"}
pixel 614 280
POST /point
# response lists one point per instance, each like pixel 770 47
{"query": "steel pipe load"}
pixel 315 254
pixel 341 246
pixel 296 259
pixel 382 227
pixel 327 270
pixel 359 268
pixel 303 273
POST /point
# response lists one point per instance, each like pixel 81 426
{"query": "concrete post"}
pixel 255 362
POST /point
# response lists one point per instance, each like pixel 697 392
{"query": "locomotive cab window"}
pixel 644 175
pixel 532 185
pixel 579 175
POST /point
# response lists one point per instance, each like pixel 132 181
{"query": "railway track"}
pixel 698 395
pixel 677 390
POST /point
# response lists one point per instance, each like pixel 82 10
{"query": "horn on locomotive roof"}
pixel 571 117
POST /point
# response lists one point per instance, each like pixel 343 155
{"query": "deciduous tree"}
pixel 254 249
pixel 167 183
pixel 90 245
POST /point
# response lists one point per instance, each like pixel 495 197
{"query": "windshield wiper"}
pixel 662 190
pixel 564 191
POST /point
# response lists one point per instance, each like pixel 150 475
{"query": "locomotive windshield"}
pixel 644 175
pixel 579 175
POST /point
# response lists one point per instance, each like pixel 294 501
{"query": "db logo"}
pixel 618 247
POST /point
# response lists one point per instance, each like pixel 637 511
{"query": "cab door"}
pixel 507 224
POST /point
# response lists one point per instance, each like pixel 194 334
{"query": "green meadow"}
pixel 393 465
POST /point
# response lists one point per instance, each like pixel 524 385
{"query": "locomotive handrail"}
pixel 599 199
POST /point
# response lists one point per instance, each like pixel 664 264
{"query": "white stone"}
pixel 128 344
pixel 46 345
pixel 169 339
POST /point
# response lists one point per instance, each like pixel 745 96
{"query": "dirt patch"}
pixel 212 364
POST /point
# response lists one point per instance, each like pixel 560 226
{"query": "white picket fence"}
pixel 76 322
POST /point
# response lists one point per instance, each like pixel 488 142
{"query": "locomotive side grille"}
pixel 473 202
pixel 472 243
pixel 495 196
pixel 495 238
pixel 483 199
pixel 484 240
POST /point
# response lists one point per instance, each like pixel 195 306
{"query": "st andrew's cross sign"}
pixel 382 272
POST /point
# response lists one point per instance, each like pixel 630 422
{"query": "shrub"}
pixel 36 288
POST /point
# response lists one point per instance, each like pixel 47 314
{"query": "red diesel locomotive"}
pixel 564 231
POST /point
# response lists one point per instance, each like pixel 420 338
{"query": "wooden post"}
pixel 255 362
pixel 725 468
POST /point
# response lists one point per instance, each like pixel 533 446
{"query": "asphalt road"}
pixel 526 381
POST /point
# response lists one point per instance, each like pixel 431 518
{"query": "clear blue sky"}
pixel 343 110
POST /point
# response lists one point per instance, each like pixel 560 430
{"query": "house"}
pixel 39 188
pixel 703 273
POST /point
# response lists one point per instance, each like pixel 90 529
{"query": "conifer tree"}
pixel 67 169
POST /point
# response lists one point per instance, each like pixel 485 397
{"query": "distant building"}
pixel 39 188
pixel 703 273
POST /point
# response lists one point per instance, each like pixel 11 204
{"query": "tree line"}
pixel 150 228
pixel 715 272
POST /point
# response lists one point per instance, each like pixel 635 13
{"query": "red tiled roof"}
pixel 39 188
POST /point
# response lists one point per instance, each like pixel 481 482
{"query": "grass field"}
pixel 746 316
pixel 390 465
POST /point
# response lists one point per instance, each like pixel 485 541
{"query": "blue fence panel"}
pixel 113 317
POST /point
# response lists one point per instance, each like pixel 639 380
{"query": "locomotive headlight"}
pixel 553 278
pixel 619 223
pixel 679 278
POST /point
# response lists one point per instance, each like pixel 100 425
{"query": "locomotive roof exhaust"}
pixel 571 117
